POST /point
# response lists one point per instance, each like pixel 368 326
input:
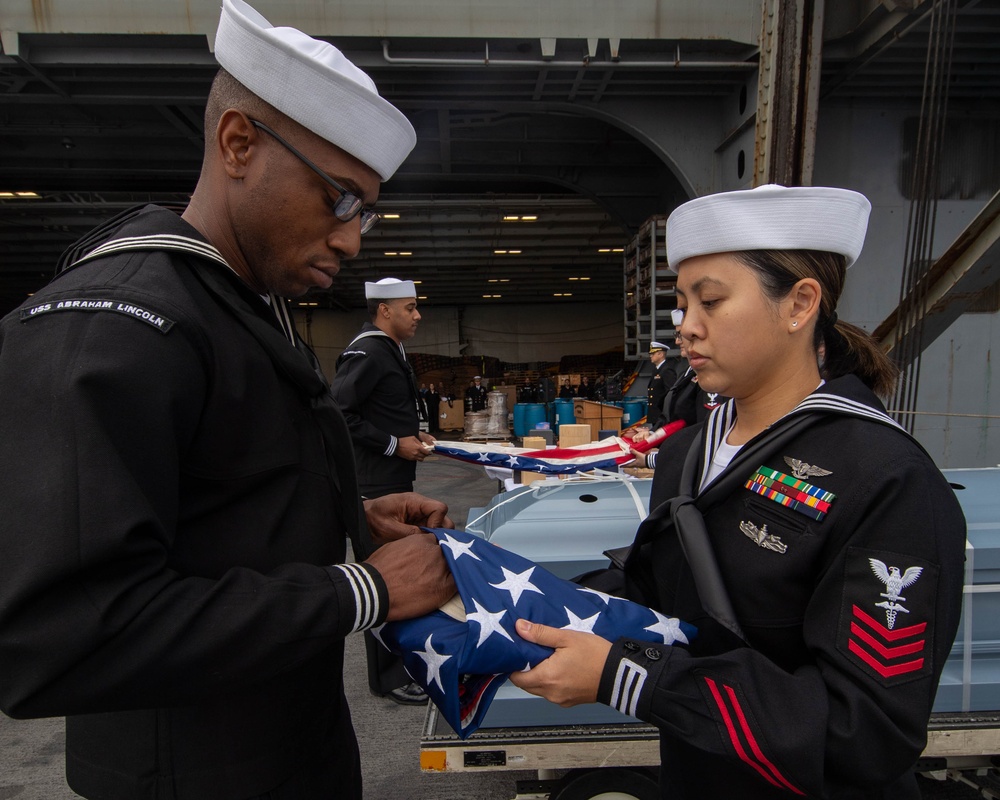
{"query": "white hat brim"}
pixel 769 218
pixel 313 83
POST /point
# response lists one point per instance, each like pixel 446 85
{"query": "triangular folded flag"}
pixel 462 654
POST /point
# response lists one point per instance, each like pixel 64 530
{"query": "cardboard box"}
pixel 573 435
pixel 600 417
pixel 572 377
pixel 451 418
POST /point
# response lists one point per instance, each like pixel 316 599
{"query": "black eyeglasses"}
pixel 349 205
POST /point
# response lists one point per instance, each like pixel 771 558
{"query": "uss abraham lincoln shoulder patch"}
pixel 886 617
pixel 142 313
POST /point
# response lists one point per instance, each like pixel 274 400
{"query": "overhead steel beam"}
pixel 788 91
pixel 951 285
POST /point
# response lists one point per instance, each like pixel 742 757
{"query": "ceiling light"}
pixel 421 297
pixel 505 280
pixel 510 218
pixel 405 253
pixel 418 282
pixel 493 280
pixel 499 252
pixel 529 218
pixel 603 249
pixel 585 279
pixel 389 216
pixel 391 253
pixel 617 249
pixel 20 195
pixel 574 279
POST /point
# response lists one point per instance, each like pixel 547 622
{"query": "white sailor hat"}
pixel 477 377
pixel 389 289
pixel 654 346
pixel 313 83
pixel 769 217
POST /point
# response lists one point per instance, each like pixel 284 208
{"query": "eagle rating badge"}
pixel 887 604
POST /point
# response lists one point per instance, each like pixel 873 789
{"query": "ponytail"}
pixel 847 348
pixel 850 349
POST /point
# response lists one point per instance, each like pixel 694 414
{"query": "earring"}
pixel 795 324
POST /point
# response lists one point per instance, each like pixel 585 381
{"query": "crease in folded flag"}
pixel 606 454
pixel 462 654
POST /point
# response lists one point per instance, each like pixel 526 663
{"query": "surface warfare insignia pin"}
pixel 802 470
pixel 762 538
pixel 894 584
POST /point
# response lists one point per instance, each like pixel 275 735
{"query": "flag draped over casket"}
pixel 463 656
pixel 606 454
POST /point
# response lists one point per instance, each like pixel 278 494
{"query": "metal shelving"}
pixel 650 289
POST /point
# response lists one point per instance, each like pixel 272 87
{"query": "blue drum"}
pixel 565 415
pixel 526 416
pixel 632 411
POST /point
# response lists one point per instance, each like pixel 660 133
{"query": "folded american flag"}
pixel 462 657
pixel 606 454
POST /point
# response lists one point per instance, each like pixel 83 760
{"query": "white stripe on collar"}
pixel 723 417
pixel 280 309
pixel 841 405
pixel 367 334
pixel 185 244
pixel 719 422
pixel 157 242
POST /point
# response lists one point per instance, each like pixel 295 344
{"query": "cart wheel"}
pixel 607 784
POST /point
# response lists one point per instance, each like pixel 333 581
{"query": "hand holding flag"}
pixel 462 657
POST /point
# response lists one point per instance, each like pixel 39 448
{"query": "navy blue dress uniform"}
pixel 177 483
pixel 376 389
pixel 475 396
pixel 687 401
pixel 157 547
pixel 844 672
pixel 662 379
pixel 433 403
pixel 820 553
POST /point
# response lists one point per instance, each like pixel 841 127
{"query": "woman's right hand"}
pixel 572 674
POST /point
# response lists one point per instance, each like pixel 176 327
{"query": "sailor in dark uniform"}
pixel 176 481
pixel 475 395
pixel 375 388
pixel 686 402
pixel 810 538
pixel 662 379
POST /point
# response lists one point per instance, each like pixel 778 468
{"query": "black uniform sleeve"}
pixel 97 411
pixel 855 714
pixel 358 373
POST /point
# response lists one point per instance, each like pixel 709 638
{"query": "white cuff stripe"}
pixel 365 595
pixel 629 680
pixel 393 441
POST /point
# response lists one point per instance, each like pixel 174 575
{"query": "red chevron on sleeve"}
pixel 869 641
pixel 742 738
